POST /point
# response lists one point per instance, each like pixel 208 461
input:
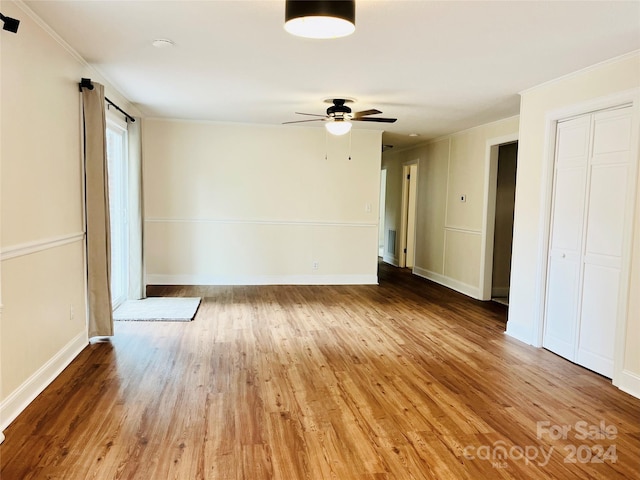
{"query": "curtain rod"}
pixel 86 83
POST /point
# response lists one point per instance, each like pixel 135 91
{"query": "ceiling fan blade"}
pixel 310 114
pixel 364 113
pixel 375 119
pixel 303 121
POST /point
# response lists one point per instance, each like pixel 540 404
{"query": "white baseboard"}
pixel 390 259
pixel 469 290
pixel 19 399
pixel 629 382
pixel 166 279
pixel 516 331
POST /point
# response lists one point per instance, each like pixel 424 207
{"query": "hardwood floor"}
pixel 406 380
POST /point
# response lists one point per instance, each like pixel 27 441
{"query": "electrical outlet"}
pixel 315 265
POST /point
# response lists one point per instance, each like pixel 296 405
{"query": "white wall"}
pixel 43 319
pixel 247 204
pixel 448 232
pixel 538 105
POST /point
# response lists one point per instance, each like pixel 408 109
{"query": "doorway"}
pixel 408 220
pixel 383 196
pixel 503 224
pixel 116 136
pixel 505 147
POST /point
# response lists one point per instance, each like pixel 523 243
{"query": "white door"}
pixel 565 246
pixel 605 229
pixel 592 198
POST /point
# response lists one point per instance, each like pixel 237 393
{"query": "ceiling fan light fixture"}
pixel 320 18
pixel 338 127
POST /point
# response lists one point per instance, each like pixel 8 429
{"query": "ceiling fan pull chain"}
pixel 350 134
pixel 326 145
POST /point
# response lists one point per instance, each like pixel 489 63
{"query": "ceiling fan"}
pixel 339 116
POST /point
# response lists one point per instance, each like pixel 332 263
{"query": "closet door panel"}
pixel 562 305
pixel 606 210
pixel 565 246
pixel 608 203
pixel 568 214
pixel 612 136
pixel 598 318
pixel 572 141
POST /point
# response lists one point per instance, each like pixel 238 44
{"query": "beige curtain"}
pixel 97 212
pixel 136 212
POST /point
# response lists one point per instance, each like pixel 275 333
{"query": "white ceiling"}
pixel 437 66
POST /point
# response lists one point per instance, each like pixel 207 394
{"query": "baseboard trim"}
pixel 167 279
pixel 516 331
pixel 464 288
pixel 221 221
pixel 629 382
pixel 20 399
pixel 390 259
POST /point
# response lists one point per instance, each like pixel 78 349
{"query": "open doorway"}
pixel 116 136
pixel 383 196
pixel 503 224
pixel 497 230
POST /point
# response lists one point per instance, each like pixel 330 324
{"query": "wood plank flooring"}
pixel 406 380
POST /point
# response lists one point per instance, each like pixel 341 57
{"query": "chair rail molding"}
pixel 28 248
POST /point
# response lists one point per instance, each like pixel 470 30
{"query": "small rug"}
pixel 158 309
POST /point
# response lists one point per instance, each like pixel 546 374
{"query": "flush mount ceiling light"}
pixel 320 18
pixel 338 126
pixel 162 43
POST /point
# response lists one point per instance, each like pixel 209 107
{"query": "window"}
pixel 117 159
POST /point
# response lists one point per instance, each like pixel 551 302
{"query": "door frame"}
pixel 116 124
pixel 383 212
pixel 492 150
pixel 404 212
pixel 628 97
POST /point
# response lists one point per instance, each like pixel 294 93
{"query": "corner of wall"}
pixel 519 332
pixel 19 399
pixel 629 383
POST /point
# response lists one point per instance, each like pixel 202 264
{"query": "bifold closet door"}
pixel 592 197
pixel 605 229
pixel 565 246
